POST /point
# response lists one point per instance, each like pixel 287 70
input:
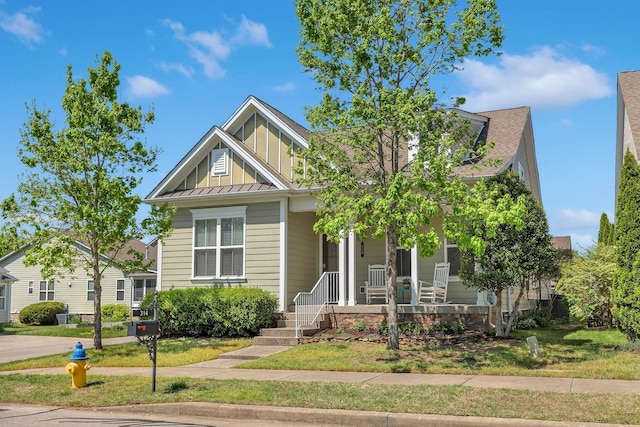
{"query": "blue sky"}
pixel 196 61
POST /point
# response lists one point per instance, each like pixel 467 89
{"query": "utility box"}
pixel 142 328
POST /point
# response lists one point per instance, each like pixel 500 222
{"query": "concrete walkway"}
pixel 221 369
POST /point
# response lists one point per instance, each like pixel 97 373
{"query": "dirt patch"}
pixel 470 341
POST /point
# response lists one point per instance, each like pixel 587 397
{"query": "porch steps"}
pixel 285 332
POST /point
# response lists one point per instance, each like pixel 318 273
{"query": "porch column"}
pixel 414 276
pixel 342 272
pixel 352 268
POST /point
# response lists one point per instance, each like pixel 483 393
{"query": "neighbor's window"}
pixel 403 262
pixel 219 242
pixel 30 287
pixel 453 258
pixel 141 287
pixel 90 290
pixel 3 296
pixel 120 290
pixel 47 290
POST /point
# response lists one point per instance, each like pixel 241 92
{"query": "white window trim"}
pixel 448 245
pixel 3 297
pixel 220 162
pixel 89 291
pixel 46 291
pixel 30 287
pixel 218 214
pixel 123 290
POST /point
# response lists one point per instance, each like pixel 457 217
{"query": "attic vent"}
pixel 220 160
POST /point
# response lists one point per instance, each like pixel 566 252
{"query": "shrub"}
pixel 215 312
pixel 538 317
pixel 116 312
pixel 41 313
pixel 360 326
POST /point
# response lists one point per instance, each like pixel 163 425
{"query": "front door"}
pixel 329 255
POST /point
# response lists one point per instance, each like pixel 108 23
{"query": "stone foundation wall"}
pixel 472 317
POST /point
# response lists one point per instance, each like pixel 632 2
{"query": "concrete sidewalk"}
pixel 221 369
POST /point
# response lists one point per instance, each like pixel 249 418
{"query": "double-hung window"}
pixel 3 297
pixel 90 290
pixel 453 258
pixel 47 290
pixel 403 262
pixel 120 290
pixel 219 242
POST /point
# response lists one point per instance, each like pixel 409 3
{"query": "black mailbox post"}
pixel 142 328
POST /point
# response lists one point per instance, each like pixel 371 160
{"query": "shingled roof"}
pixel 629 91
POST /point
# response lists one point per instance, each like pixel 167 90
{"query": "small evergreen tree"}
pixel 625 292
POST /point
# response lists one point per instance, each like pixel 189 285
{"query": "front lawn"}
pixel 566 352
pixel 80 331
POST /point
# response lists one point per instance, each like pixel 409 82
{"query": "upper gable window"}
pixel 220 162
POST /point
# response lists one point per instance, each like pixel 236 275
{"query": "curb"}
pixel 332 417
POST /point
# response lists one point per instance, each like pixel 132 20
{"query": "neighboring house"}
pixel 543 290
pixel 241 218
pixel 628 120
pixel 76 290
pixel 6 280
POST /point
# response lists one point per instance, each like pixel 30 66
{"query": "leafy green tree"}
pixel 625 293
pixel 374 61
pixel 513 255
pixel 606 233
pixel 586 284
pixel 81 182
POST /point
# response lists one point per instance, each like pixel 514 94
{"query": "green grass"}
pixel 170 352
pixel 566 352
pixel 61 331
pixel 445 400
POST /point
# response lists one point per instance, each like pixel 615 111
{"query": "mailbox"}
pixel 142 328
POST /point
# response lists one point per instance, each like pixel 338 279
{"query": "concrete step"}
pixel 274 341
pixel 286 332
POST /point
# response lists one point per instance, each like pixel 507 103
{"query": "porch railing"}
pixel 309 305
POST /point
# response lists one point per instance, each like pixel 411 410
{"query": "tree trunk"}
pixel 97 307
pixel 513 314
pixel 392 322
pixel 499 321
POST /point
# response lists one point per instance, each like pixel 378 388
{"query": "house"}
pixel 243 220
pixel 76 290
pixel 6 281
pixel 628 120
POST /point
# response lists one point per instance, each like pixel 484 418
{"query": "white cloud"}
pixel 22 26
pixel 566 122
pixel 184 70
pixel 287 87
pixel 144 87
pixel 572 219
pixel 543 79
pixel 210 48
pixel 251 33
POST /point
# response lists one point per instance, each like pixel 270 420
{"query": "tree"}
pixel 374 61
pixel 513 256
pixel 625 293
pixel 82 180
pixel 606 233
pixel 586 284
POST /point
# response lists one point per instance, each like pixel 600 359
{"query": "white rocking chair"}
pixel 435 292
pixel 376 286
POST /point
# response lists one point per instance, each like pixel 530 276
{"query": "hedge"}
pixel 214 312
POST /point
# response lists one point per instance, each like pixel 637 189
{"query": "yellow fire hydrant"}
pixel 78 367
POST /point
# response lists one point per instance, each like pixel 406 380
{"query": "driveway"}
pixel 19 347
